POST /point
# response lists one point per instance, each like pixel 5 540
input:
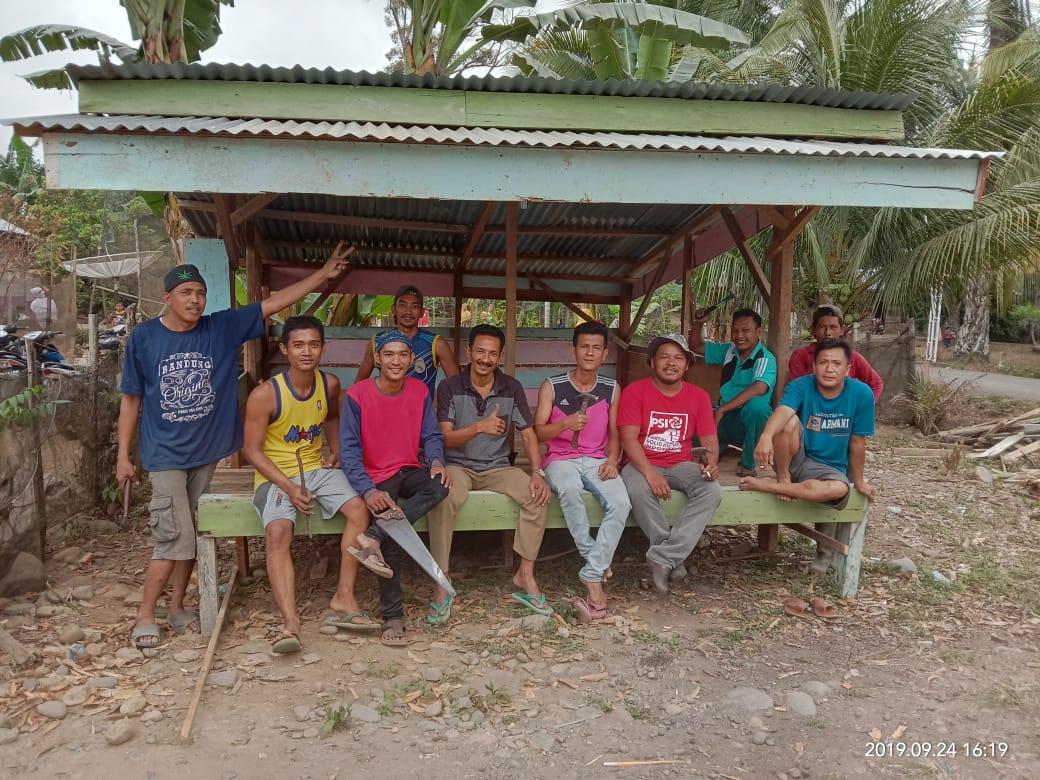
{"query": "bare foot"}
pixel 607 574
pixel 761 485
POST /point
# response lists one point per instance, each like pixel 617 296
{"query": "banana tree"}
pixel 440 36
pixel 168 31
pixel 634 40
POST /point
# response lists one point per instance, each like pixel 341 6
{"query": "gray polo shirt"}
pixel 459 403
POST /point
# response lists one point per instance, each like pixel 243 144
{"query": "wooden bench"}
pixel 227 512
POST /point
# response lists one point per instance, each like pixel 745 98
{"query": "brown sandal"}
pixel 822 608
pixel 796 607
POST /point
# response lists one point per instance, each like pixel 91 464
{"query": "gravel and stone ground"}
pixel 921 676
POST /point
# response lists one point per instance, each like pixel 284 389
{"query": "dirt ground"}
pixel 1003 358
pixel 915 678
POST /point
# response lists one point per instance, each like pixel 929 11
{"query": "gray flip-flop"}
pixel 143 630
pixel 181 620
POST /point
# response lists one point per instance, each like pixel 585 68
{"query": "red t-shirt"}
pixel 667 424
pixel 801 364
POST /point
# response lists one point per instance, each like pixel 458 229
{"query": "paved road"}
pixel 994 384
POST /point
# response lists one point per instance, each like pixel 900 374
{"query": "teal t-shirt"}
pixel 830 422
pixel 738 375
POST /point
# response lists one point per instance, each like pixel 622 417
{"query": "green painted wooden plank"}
pixel 333 102
pixel 233 165
pixel 320 102
pixel 234 515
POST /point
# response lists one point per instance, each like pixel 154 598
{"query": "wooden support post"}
pixel 689 303
pixel 846 567
pixel 458 316
pixel 242 556
pixel 625 330
pixel 507 549
pixel 225 205
pixel 252 352
pixel 206 563
pixel 512 226
pixel 207 659
pixel 768 538
pixel 781 286
pixel 822 540
pixel 658 276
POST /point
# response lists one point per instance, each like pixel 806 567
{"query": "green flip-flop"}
pixel 440 613
pixel 536 604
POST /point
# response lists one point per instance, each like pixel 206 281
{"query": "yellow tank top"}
pixel 297 424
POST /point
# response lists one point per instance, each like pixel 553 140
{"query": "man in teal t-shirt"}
pixel 816 438
pixel 748 378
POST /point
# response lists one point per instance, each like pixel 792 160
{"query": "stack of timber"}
pixel 1010 438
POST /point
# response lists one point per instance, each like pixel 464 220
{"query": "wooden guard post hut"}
pixel 522 189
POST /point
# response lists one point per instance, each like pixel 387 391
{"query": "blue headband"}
pixel 389 337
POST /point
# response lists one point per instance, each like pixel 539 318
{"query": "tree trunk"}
pixel 973 335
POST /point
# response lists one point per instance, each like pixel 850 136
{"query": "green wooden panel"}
pixel 234 515
pixel 328 102
pixel 332 102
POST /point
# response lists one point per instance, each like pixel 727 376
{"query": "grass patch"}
pixel 638 711
pixel 1015 696
pixel 335 718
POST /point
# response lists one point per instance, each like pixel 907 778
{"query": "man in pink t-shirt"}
pixel 657 420
pixel 829 323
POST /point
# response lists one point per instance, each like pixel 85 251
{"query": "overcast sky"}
pixel 342 34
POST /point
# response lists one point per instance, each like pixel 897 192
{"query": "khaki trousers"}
pixel 509 481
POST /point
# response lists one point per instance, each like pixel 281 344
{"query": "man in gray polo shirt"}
pixel 474 409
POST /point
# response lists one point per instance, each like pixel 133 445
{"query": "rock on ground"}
pixel 55 710
pixel 26 573
pixel 364 713
pixel 801 703
pixel 902 565
pixel 119 732
pixel 818 690
pixel 7 736
pixel 750 698
pixel 225 679
pixel 72 633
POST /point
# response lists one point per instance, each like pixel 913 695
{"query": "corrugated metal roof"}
pixel 758 93
pixel 7 227
pixel 385 133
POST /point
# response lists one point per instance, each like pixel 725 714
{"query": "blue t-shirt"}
pixel 188 383
pixel 830 422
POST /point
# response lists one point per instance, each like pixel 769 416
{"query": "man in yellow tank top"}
pixel 290 414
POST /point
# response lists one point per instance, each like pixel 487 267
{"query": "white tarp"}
pixel 111 266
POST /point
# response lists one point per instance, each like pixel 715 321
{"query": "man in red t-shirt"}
pixel 657 420
pixel 829 323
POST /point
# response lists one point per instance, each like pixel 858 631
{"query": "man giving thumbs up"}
pixel 475 409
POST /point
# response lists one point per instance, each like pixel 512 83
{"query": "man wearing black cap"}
pixel 180 376
pixel 429 351
pixel 657 421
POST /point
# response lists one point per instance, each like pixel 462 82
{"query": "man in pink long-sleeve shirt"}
pixel 828 323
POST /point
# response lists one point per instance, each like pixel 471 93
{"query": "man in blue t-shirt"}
pixel 180 376
pixel 816 438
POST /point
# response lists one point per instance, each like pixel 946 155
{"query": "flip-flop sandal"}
pixel 142 631
pixel 403 640
pixel 287 644
pixel 536 604
pixel 796 607
pixel 182 621
pixel 370 558
pixel 823 609
pixel 347 622
pixel 587 612
pixel 440 613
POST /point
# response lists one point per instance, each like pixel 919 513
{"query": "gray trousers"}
pixel 670 546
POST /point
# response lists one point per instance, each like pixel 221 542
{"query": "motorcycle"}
pixel 112 338
pixel 48 356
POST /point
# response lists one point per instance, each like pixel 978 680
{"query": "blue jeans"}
pixel 568 479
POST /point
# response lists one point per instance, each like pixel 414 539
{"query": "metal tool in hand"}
pixel 729 297
pixel 397 527
pixel 124 521
pixel 586 398
pixel 303 486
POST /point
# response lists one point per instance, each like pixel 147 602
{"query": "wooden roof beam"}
pixel 474 237
pixel 695 224
pixel 560 299
pixel 389 250
pixel 560 230
pixel 225 204
pixel 741 242
pixel 252 206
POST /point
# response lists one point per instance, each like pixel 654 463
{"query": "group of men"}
pixel 400 446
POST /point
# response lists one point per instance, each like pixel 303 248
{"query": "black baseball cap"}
pixel 180 274
pixel 408 289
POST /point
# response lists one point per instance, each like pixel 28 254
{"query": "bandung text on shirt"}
pixel 666 431
pixel 186 387
pixel 822 423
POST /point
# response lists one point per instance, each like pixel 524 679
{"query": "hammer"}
pixel 303 484
pixel 729 297
pixel 585 399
